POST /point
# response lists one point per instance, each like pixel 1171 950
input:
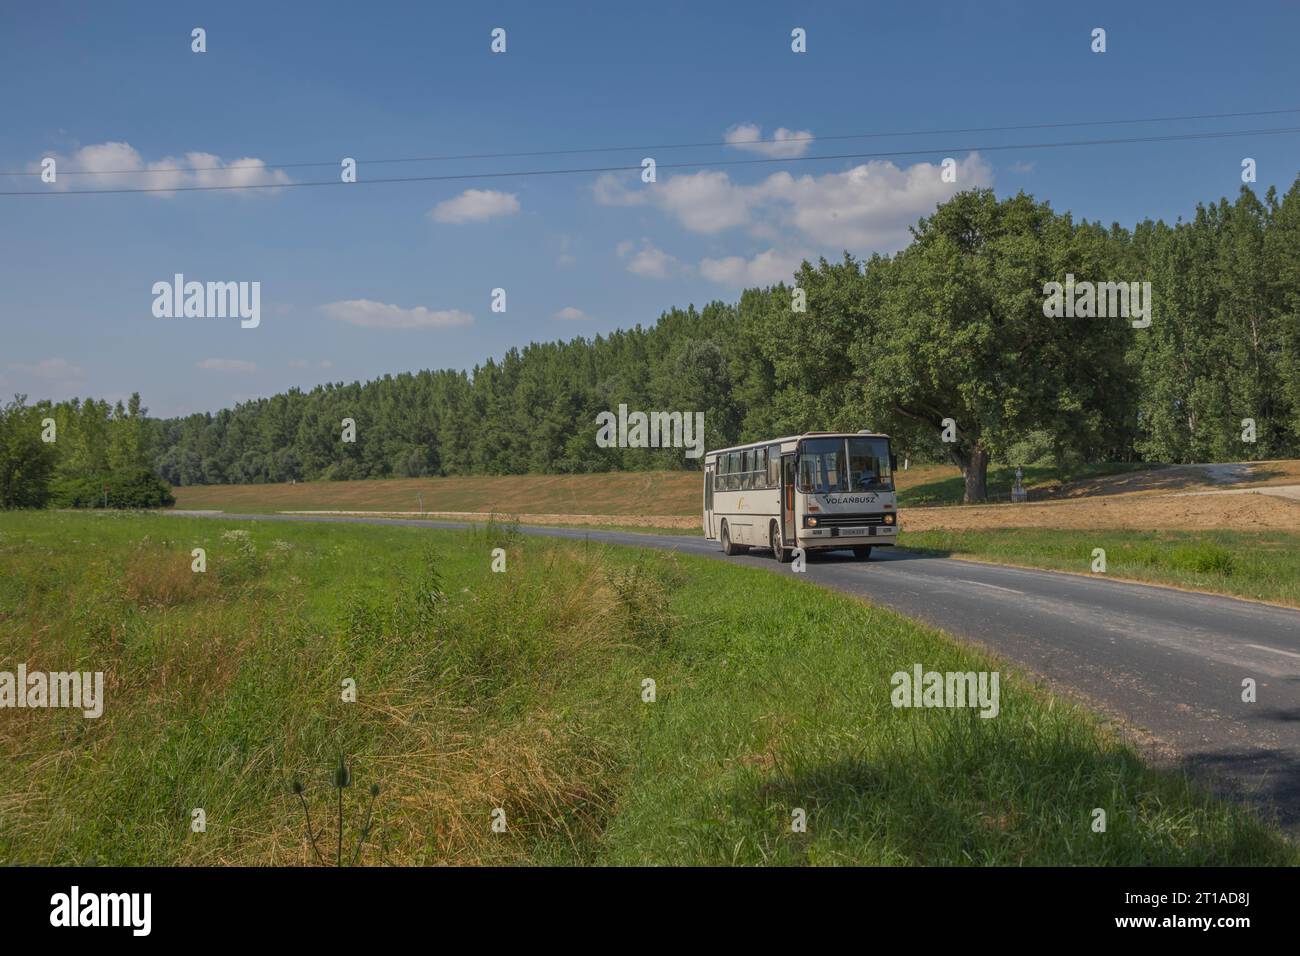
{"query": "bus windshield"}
pixel 844 464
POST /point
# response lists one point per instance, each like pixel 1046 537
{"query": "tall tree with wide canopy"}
pixel 959 333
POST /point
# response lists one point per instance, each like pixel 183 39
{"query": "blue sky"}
pixel 359 281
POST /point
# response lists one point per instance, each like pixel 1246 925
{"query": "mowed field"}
pixel 624 494
pixel 648 494
pixel 1262 496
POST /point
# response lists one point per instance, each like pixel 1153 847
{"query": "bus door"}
pixel 708 499
pixel 787 499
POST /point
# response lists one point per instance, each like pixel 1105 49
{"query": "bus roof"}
pixel 865 433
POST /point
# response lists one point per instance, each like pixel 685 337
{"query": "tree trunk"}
pixel 976 473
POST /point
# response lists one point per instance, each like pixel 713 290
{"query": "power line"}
pixel 685 165
pixel 663 146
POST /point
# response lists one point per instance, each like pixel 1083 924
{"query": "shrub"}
pixel 127 488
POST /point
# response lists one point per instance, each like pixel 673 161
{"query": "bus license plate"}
pixel 849 531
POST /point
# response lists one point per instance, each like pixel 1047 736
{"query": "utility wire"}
pixel 684 165
pixel 617 149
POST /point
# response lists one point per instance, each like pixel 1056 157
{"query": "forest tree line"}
pixel 952 327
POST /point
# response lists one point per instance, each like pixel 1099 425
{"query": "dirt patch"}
pixel 1170 479
pixel 1162 480
pixel 1170 512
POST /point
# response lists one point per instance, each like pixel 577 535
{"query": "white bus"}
pixel 816 491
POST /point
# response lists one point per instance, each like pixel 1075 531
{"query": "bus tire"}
pixel 774 536
pixel 728 548
pixel 863 554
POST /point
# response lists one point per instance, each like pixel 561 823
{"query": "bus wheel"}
pixel 863 554
pixel 778 552
pixel 727 547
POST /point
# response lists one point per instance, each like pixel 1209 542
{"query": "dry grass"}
pixel 1138 512
pixel 156 577
pixel 447 762
pixel 619 493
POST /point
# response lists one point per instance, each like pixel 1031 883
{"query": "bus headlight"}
pixel 809 521
pixel 889 518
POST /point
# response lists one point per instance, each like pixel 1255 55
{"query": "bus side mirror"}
pixel 893 462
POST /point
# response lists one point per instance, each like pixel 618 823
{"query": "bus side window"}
pixel 733 471
pixel 774 466
pixel 760 468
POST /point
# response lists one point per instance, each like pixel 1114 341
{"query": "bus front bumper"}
pixel 881 535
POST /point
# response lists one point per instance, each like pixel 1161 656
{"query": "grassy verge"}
pixel 524 691
pixel 1264 566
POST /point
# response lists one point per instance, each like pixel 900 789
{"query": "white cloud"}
pixel 226 365
pixel 1022 167
pixel 766 268
pixel 50 370
pixel 648 261
pixel 379 315
pixel 566 258
pixel 611 189
pixel 867 208
pixel 307 363
pixel 120 166
pixel 475 205
pixel 785 143
pixel 706 202
pixel 870 206
pixel 570 314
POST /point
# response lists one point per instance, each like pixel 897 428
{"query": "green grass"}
pixel 1264 566
pixel 523 691
pixel 1001 478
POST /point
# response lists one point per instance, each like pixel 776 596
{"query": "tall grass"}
pixel 522 692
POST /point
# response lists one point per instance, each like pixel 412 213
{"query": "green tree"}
pixel 26 461
pixel 957 332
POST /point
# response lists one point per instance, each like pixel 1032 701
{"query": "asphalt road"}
pixel 1168 663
